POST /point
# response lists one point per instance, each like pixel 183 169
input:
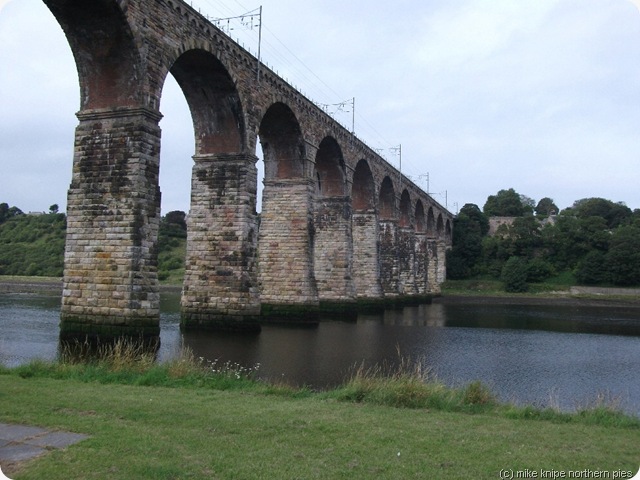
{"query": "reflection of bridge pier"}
pixel 339 227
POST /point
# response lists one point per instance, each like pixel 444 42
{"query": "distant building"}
pixel 497 222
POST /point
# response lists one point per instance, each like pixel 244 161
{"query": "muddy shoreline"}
pixel 47 286
pixel 564 299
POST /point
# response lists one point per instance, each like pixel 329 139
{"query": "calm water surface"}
pixel 560 355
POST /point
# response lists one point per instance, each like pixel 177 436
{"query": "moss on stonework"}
pixel 341 310
pixel 297 314
pixel 93 330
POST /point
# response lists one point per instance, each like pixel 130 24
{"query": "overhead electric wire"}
pixel 295 71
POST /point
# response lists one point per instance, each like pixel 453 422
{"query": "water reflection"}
pixel 535 354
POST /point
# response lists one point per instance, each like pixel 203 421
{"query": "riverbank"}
pixel 490 292
pixel 453 293
pixel 542 299
pixel 149 421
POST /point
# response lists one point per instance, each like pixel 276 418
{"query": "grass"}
pixel 489 286
pixel 192 419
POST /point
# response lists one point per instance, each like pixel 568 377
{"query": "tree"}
pixel 525 235
pixel 7 212
pixel 538 270
pixel 615 214
pixel 546 207
pixel 507 203
pixel 623 258
pixel 568 241
pixel 469 227
pixel 514 275
pixel 54 208
pixel 592 269
pixel 176 217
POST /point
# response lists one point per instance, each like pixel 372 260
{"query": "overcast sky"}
pixel 542 96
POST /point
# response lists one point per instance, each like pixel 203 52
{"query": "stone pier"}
pixel 113 216
pixel 220 283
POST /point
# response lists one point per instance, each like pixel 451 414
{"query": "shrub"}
pixel 592 270
pixel 539 270
pixel 514 275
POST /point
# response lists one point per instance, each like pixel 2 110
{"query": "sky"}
pixel 542 96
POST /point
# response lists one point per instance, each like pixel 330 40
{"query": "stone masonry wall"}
pixel 285 263
pixel 220 284
pixel 406 262
pixel 432 266
pixel 333 255
pixel 389 257
pixel 110 278
pixel 366 265
pixel 421 264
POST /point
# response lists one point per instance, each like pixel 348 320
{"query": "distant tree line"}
pixel 594 242
pixel 31 244
pixel 34 244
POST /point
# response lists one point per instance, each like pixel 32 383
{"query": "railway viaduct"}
pixel 339 225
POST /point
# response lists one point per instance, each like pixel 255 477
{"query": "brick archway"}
pixel 282 143
pixel 286 234
pixel 214 103
pixel 104 49
pixel 333 244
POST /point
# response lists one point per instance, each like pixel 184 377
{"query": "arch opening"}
pixel 419 217
pixel 387 200
pixel 431 223
pixel 330 174
pixel 104 50
pixel 363 191
pixel 282 144
pixel 213 100
pixel 405 210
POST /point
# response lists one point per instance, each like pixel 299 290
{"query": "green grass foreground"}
pixel 188 419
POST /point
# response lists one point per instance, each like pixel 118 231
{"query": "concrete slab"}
pixel 18 452
pixel 22 442
pixel 56 439
pixel 18 432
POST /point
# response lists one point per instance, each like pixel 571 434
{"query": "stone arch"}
pixel 440 227
pixel 420 217
pixel 406 247
pixel 366 264
pixel 282 143
pixel 104 49
pixel 387 200
pixel 223 191
pixel 405 210
pixel 431 223
pixel 214 102
pixel 363 190
pixel 448 231
pixel 330 169
pixel 287 232
pixel 332 237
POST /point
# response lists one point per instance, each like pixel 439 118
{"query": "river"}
pixel 565 356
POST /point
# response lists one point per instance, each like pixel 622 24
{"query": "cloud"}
pixel 3 3
pixel 467 35
pixel 483 95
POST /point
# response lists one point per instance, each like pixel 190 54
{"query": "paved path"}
pixel 20 442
